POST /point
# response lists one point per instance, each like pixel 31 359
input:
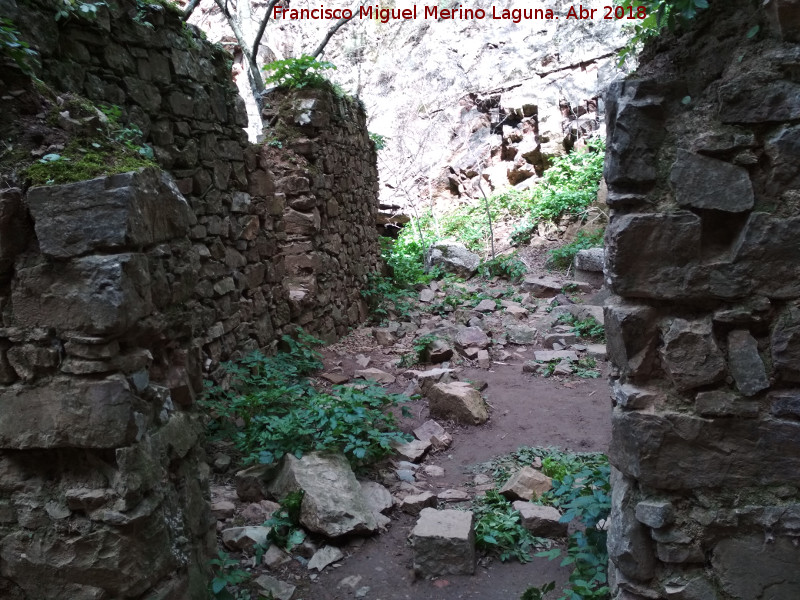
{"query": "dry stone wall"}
pixel 120 294
pixel 703 170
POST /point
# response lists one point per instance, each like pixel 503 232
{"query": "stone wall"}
pixel 120 294
pixel 703 170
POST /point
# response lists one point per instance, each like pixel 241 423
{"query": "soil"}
pixel 568 412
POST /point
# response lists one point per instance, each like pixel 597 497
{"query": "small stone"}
pixel 520 334
pixel 415 503
pixel 376 496
pixel 483 359
pixel 471 352
pixel 486 305
pixel 324 557
pixel 458 401
pixel 384 337
pixel 362 591
pixel 406 475
pixel 564 339
pixel 274 557
pixel 362 361
pixel 335 378
pixel 453 496
pixel 596 351
pixel 526 484
pixel 433 471
pixel 548 355
pixel 279 590
pixel 427 295
pixel 375 375
pixel 472 337
pixel 564 367
pixel 745 364
pixel 350 581
pixel 245 538
pixel 413 451
pixel 222 463
pixel 222 510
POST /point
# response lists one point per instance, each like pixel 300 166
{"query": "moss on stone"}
pixel 78 164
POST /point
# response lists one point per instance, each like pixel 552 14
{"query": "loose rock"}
pixel 526 484
pixel 444 543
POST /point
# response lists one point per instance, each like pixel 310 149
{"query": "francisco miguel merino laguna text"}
pixel 384 15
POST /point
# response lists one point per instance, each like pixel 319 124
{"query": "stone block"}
pixel 458 401
pixel 655 514
pixel 634 120
pixel 444 543
pixel 785 342
pixel 590 259
pixel 707 183
pixel 415 503
pixel 675 451
pixel 469 337
pixel 68 412
pixel 97 295
pixel 759 98
pixel 631 338
pixel 650 255
pixel 719 403
pixel 747 567
pixel 785 404
pixel 541 521
pixel 690 354
pixel 629 545
pixel 133 209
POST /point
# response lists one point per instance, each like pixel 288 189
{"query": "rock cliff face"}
pixel 119 295
pixel 455 98
pixel 703 259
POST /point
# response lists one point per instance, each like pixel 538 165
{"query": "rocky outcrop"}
pixel 703 326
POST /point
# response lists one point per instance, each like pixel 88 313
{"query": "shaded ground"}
pixel 566 412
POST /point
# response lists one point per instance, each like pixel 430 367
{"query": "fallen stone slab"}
pixel 542 521
pixel 565 339
pixel 483 359
pixel 433 471
pixel 458 401
pixel 548 355
pixel 274 557
pixel 437 352
pixel 526 484
pixel 444 543
pixel 375 375
pixel 426 379
pixel 542 287
pixel 325 556
pixel 222 509
pixel 427 295
pixel 251 483
pixel 333 503
pixel 590 259
pixel 275 588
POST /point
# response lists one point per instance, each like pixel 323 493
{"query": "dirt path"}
pixel 567 412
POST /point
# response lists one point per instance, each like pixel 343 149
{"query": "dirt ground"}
pixel 567 412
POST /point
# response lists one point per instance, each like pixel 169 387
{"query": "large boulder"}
pixel 333 501
pixel 452 257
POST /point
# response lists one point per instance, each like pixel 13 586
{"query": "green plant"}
pixel 384 296
pixel 14 48
pixel 275 143
pixel 653 16
pixel 226 576
pixel 586 368
pixel 538 592
pixel 271 409
pixel 563 256
pixel 507 266
pixel 588 328
pixel 498 529
pixel 585 496
pixel 84 10
pixel 284 523
pixel 379 140
pixel 421 345
pixel 298 73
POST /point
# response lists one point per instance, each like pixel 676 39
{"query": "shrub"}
pixel 298 73
pixel 507 266
pixel 271 409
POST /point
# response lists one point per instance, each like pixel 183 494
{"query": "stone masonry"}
pixel 703 169
pixel 120 294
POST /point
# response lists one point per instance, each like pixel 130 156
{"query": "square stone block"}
pixel 444 543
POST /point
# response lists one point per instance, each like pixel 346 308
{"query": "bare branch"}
pixel 329 35
pixel 256 82
pixel 190 9
pixel 262 27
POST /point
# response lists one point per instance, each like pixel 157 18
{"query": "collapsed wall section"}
pixel 703 170
pixel 121 293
